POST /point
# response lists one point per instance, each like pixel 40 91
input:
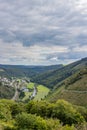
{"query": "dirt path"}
pixel 75 91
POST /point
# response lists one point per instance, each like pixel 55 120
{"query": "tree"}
pixel 30 122
pixel 66 113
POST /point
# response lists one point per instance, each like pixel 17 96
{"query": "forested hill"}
pixel 28 71
pixel 54 78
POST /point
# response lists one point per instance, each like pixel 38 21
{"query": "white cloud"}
pixel 35 54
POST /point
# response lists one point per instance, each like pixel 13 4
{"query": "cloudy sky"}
pixel 42 32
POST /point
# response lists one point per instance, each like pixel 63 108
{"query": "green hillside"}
pixel 54 78
pixel 68 82
pixel 6 91
pixel 73 89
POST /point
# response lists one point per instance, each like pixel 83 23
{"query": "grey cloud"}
pixel 82 39
pixel 7 36
pixel 65 56
pixel 44 22
pixel 40 15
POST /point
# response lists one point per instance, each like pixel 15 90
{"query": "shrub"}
pixel 29 121
pixel 66 113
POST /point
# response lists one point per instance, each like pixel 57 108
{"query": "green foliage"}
pixel 66 127
pixel 41 108
pixel 22 95
pixel 6 92
pixel 9 109
pixel 62 110
pixel 53 124
pixel 41 115
pixel 83 111
pixel 16 108
pixel 8 128
pixel 1 128
pixel 5 113
pixel 75 77
pixel 30 85
pixel 27 121
pixel 66 113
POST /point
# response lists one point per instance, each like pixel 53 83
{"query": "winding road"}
pixel 34 93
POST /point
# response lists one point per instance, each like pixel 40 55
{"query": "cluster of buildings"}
pixel 5 81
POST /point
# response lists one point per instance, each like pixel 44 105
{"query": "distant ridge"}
pixel 53 78
pixel 22 70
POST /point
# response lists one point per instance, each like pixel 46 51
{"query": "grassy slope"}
pixel 73 90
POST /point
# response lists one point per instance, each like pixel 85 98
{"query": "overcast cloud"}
pixel 42 32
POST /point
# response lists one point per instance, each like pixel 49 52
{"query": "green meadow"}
pixel 30 85
pixel 42 91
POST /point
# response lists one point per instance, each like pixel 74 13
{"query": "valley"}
pixel 43 64
pixel 24 90
pixel 49 82
pixel 55 98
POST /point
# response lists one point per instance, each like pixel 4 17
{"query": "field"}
pixel 30 85
pixel 27 95
pixel 42 91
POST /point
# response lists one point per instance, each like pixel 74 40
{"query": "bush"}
pixel 16 108
pixel 30 122
pixel 61 110
pixel 66 113
pixel 53 124
pixel 5 113
pixel 40 108
pixel 82 110
pixel 1 128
